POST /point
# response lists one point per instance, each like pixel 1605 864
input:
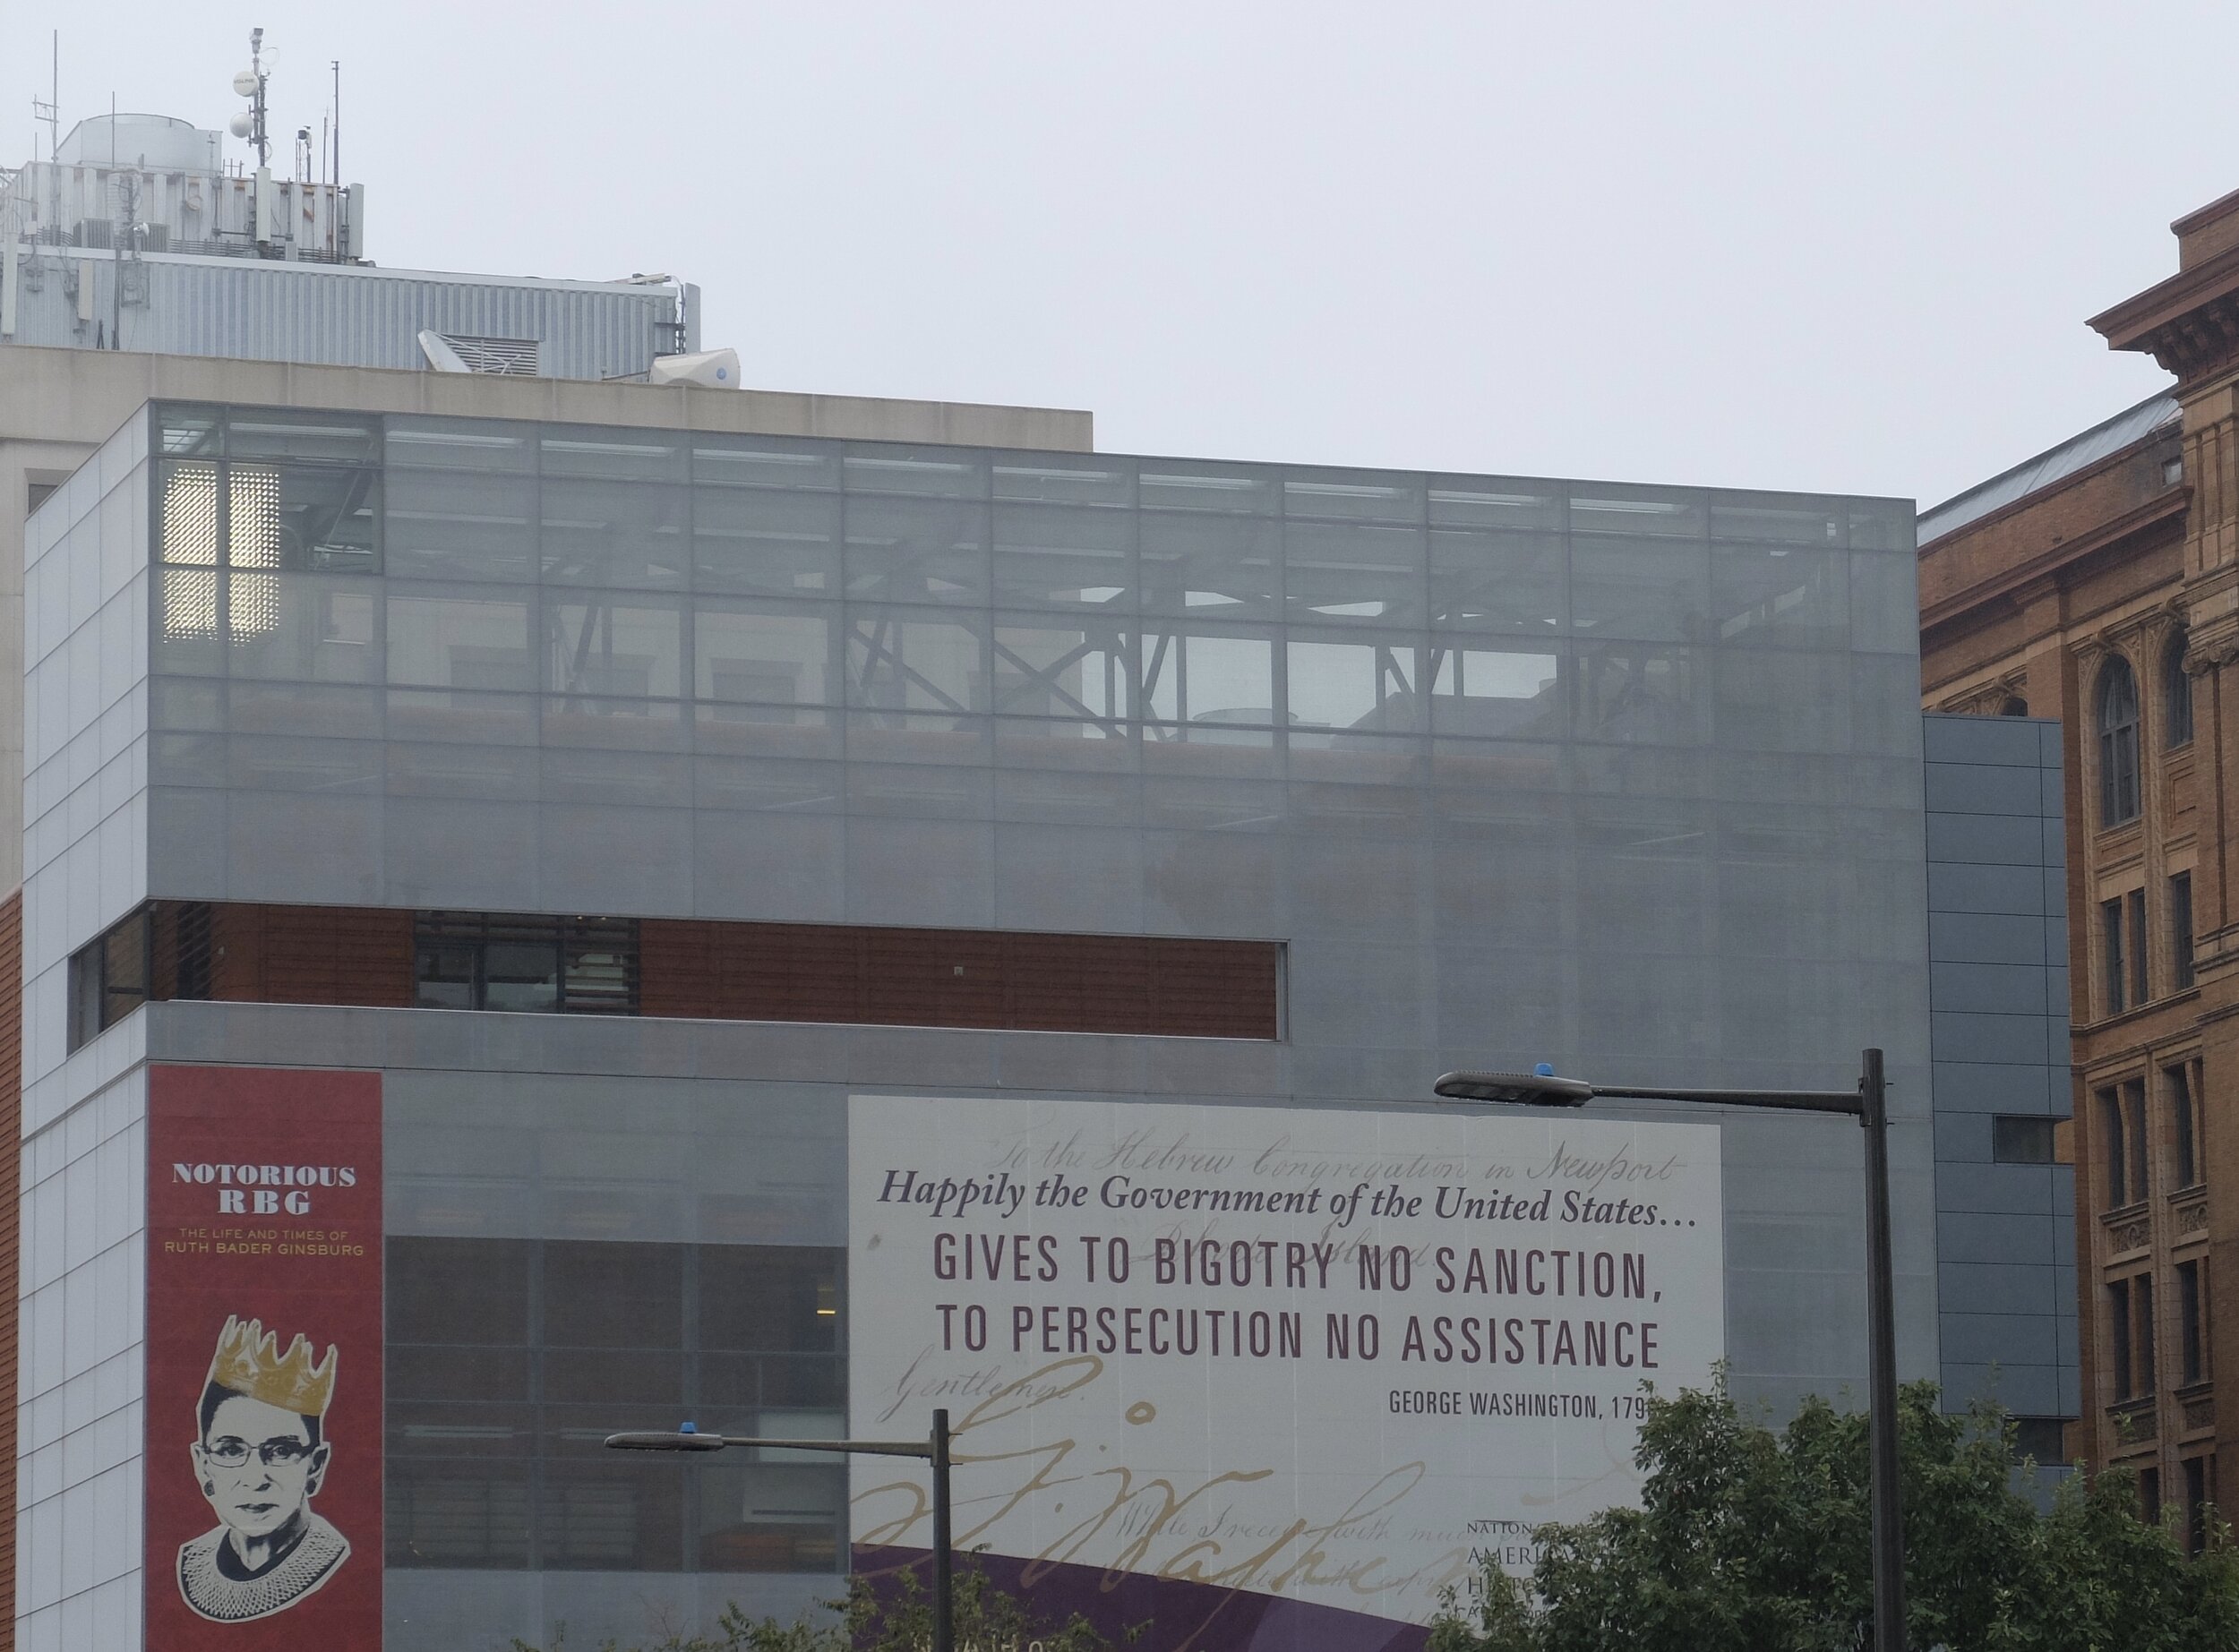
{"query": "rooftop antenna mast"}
pixel 332 168
pixel 49 109
pixel 126 185
pixel 250 83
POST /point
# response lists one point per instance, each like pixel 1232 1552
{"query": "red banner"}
pixel 264 1360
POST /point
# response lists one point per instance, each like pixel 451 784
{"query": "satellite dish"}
pixel 244 83
pixel 240 125
pixel 439 355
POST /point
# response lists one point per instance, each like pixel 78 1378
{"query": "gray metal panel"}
pixel 337 315
pixel 1998 994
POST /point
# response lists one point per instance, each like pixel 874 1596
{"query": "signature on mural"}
pixel 1123 1520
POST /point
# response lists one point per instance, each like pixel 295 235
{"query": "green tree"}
pixel 898 1618
pixel 1753 1541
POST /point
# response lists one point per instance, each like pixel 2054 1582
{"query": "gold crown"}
pixel 249 1362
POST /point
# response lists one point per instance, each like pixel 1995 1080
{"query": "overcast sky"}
pixel 1782 246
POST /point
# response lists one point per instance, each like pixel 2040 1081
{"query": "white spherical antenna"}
pixel 240 125
pixel 244 83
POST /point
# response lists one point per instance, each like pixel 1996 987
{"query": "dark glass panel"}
pixel 770 1297
pixel 601 1516
pixel 463 1374
pixel 458 1514
pixel 771 1517
pixel 2020 1140
pixel 458 1290
pixel 604 1376
pixel 606 1294
pixel 459 1428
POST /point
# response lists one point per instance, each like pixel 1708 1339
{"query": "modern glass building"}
pixel 627 798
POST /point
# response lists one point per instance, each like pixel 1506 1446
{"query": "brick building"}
pixel 2098 585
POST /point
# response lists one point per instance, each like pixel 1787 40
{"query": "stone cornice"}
pixel 2189 323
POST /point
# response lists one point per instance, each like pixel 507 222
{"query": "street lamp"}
pixel 934 1448
pixel 1868 1104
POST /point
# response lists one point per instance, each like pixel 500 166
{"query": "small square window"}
pixel 2021 1139
pixel 2038 1439
pixel 108 978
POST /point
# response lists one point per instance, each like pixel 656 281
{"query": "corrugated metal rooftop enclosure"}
pixel 170 249
pixel 350 315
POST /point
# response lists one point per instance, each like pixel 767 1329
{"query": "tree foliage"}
pixel 1754 1541
pixel 869 1618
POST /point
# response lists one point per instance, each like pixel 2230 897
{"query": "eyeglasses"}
pixel 280 1453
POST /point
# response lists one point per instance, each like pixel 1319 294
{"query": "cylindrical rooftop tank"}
pixel 165 144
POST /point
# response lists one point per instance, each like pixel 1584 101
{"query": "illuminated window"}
pixel 232 523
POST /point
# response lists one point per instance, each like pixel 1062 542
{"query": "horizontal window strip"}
pixel 377 957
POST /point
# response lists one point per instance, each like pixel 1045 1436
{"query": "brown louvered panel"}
pixel 1115 973
pixel 961 977
pixel 791 972
pixel 373 958
pixel 1046 990
pixel 236 953
pixel 1213 989
pixel 163 963
pixel 1079 983
pixel 933 978
pixel 338 954
pixel 11 1235
pixel 676 969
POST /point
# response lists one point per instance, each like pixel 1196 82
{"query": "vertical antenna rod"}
pixel 116 247
pixel 50 110
pixel 256 106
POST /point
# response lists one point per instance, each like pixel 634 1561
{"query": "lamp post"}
pixel 934 1449
pixel 1868 1104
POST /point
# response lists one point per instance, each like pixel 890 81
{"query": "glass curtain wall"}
pixel 1529 745
pixel 1627 779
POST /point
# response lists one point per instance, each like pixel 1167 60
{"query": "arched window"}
pixel 2176 694
pixel 2015 706
pixel 2118 744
